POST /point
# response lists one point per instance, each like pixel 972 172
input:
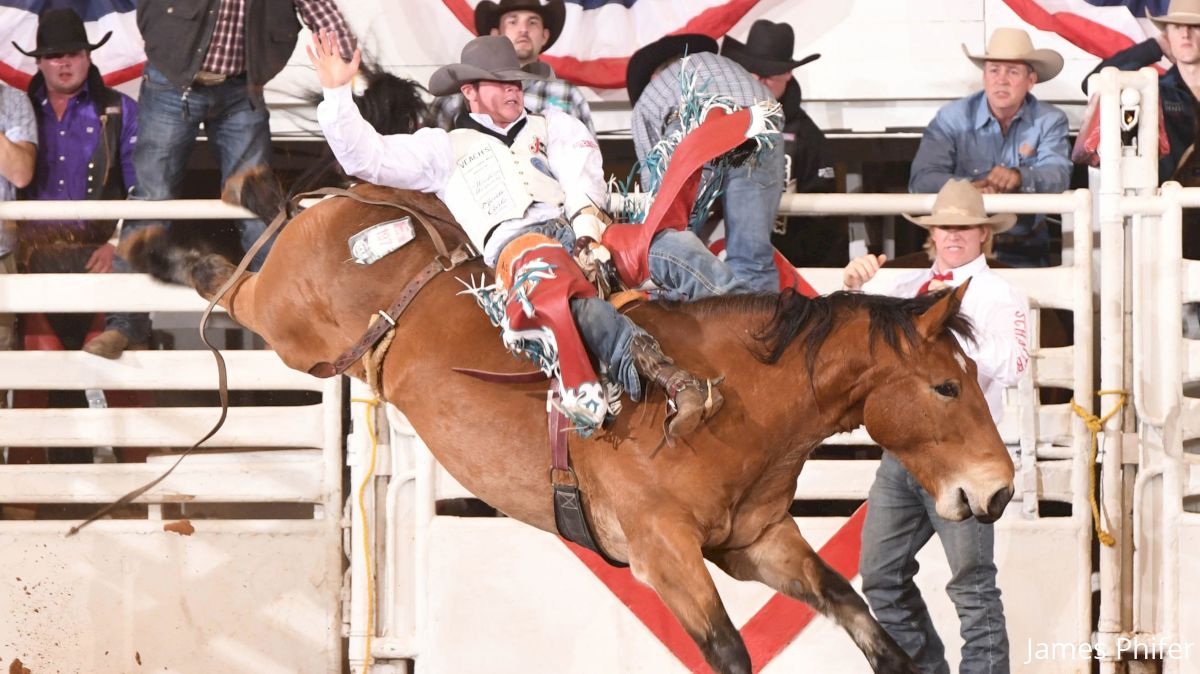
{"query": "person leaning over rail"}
pixel 207 61
pixel 751 191
pixel 533 27
pixel 87 133
pixel 901 518
pixel 1003 139
pixel 1179 42
pixel 543 146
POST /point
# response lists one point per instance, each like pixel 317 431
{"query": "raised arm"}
pixel 421 161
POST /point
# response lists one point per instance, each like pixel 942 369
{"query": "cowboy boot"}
pixel 694 401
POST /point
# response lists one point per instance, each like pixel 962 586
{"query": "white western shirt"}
pixel 424 160
pixel 999 315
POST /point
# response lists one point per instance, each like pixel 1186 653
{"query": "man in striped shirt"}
pixel 207 62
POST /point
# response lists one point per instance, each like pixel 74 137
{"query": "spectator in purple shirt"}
pixel 86 135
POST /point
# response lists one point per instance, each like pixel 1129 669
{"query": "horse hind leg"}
pixel 783 560
pixel 667 557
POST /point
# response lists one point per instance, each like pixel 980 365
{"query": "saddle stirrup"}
pixel 691 400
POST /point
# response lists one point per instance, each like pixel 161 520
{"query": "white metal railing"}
pixel 307 471
pixel 1143 288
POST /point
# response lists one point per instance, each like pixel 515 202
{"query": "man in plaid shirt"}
pixel 532 27
pixel 207 62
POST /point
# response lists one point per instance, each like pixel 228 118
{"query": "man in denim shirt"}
pixel 1002 139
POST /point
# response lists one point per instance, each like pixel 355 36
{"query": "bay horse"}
pixel 796 371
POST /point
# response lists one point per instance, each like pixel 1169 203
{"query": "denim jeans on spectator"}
pixel 679 264
pixel 235 120
pixel 135 327
pixel 900 520
pixel 751 202
pixel 1027 244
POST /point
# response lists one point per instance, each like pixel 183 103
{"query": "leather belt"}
pixel 205 78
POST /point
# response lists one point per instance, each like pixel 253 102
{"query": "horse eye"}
pixel 947 389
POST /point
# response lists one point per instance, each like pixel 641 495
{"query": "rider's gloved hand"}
pixel 588 224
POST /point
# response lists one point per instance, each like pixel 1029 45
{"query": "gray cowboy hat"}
pixel 488 57
pixel 767 51
pixel 61 31
pixel 1013 44
pixel 960 204
pixel 553 13
pixel 1183 12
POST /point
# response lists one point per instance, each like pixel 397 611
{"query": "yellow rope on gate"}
pixel 371 403
pixel 1095 424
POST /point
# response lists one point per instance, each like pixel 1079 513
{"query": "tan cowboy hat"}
pixel 960 204
pixel 490 57
pixel 1185 12
pixel 1013 44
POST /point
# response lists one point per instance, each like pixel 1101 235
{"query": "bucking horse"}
pixel 796 370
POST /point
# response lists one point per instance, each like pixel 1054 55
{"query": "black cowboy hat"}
pixel 61 31
pixel 646 60
pixel 553 13
pixel 767 51
pixel 488 57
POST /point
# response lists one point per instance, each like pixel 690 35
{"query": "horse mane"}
pixel 812 320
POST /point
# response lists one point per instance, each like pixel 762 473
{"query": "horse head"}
pixel 926 407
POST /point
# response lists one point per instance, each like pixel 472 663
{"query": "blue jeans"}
pixel 235 120
pixel 682 268
pixel 900 520
pixel 751 202
pixel 1027 244
pixel 750 199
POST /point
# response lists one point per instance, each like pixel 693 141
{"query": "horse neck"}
pixel 841 375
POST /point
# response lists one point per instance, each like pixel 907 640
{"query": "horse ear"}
pixel 932 323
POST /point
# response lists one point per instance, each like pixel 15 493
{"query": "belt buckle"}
pixel 206 78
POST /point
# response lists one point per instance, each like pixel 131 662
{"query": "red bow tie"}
pixel 948 276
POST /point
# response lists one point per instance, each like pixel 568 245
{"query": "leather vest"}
pixel 493 182
pixel 177 34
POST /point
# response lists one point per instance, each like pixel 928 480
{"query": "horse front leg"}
pixel 783 560
pixel 667 557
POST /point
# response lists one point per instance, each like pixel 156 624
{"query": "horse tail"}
pixel 150 250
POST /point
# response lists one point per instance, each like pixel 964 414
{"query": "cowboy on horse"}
pixel 524 187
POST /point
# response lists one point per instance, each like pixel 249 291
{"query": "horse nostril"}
pixel 999 501
pixel 962 498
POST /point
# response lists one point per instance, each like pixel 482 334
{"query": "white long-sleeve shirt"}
pixel 999 314
pixel 424 160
